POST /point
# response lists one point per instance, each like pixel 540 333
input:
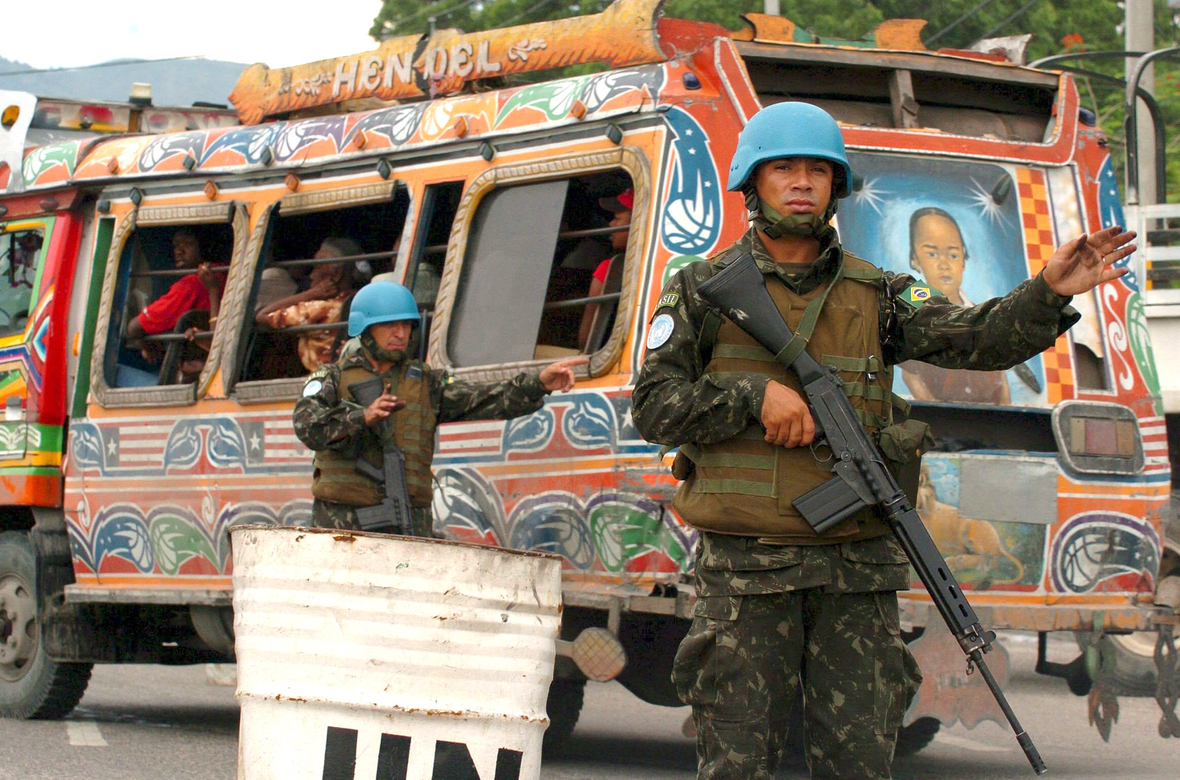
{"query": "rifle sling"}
pixel 811 314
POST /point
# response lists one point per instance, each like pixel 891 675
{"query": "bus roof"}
pixel 419 75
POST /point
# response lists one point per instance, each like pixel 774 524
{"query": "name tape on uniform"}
pixel 668 301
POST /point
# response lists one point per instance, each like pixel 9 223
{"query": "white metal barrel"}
pixel 364 656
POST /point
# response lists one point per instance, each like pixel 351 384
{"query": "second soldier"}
pixel 330 421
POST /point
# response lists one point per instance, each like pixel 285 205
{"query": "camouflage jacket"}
pixel 323 420
pixel 674 402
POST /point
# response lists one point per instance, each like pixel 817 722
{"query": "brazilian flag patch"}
pixel 917 294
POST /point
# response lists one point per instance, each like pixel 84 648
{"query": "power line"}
pixel 430 9
pixel 979 7
pixel 1004 23
pixel 523 14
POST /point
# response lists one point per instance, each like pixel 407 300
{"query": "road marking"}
pixel 967 744
pixel 84 733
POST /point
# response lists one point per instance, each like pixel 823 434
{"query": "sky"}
pixel 85 32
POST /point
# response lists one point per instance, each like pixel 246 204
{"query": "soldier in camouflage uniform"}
pixel 778 607
pixel 417 399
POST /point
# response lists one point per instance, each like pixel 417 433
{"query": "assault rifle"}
pixel 861 479
pixel 392 515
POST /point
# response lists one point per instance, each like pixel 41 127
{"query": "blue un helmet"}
pixel 381 302
pixel 790 130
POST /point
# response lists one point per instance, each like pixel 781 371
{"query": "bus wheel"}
pixel 31 684
pixel 1131 657
pixel 564 705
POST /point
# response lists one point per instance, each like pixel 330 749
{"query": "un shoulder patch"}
pixel 660 331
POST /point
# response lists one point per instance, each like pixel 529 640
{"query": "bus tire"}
pixel 1129 657
pixel 564 705
pixel 32 685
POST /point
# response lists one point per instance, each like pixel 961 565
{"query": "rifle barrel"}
pixel 1022 737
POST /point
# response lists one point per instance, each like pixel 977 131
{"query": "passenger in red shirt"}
pixel 185 294
pixel 196 291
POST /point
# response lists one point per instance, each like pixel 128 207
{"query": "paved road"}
pixel 150 722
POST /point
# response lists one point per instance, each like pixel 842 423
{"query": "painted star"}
pixel 869 195
pixel 112 448
pixel 255 441
pixel 987 205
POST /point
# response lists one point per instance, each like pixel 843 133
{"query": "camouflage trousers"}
pixel 744 658
pixel 329 514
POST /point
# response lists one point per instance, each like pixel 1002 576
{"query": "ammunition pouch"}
pixel 902 445
pixel 682 466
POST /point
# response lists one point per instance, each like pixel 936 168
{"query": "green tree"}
pixel 1058 27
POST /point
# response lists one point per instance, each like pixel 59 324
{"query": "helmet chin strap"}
pixel 380 354
pixel 775 225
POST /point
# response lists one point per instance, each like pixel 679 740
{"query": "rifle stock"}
pixel 861 478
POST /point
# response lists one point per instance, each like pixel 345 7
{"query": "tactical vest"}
pixel 335 477
pixel 744 485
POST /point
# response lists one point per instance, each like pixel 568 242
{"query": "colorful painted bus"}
pixel 126 460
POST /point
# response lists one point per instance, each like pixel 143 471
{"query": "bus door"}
pixel 22 257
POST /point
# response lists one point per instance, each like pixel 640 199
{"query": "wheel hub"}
pixel 18 627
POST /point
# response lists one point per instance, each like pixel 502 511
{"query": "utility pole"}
pixel 1139 34
pixel 771 8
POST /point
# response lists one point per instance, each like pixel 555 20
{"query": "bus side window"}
pixel 525 294
pixel 439 205
pixel 161 328
pixel 312 265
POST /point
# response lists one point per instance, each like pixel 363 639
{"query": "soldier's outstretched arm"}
pixel 994 335
pixel 323 420
pixel 674 401
pixel 457 399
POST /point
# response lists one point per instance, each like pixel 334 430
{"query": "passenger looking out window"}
pixel 200 291
pixel 332 284
pixel 620 207
pixel 186 293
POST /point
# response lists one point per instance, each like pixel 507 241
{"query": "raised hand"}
pixel 382 406
pixel 1087 261
pixel 560 375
